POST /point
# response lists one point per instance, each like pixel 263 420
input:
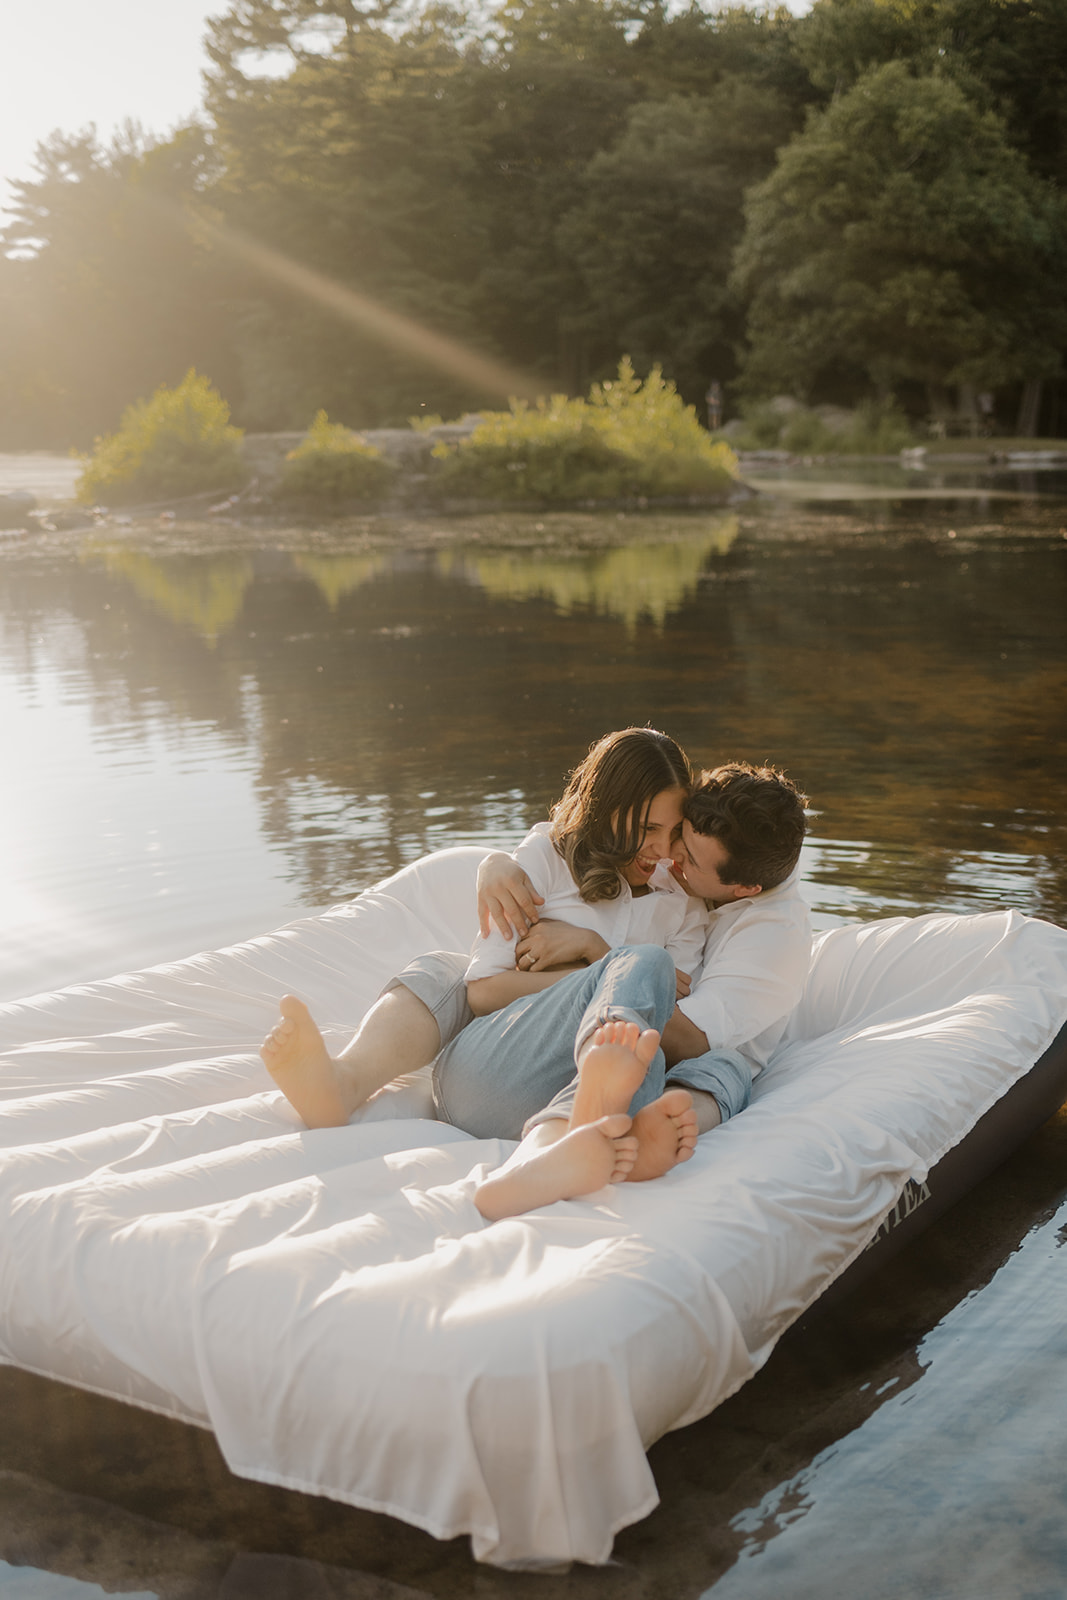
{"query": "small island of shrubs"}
pixel 631 440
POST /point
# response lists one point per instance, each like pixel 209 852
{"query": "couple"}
pixel 588 1037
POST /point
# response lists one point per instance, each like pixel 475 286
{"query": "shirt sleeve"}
pixel 753 980
pixel 541 862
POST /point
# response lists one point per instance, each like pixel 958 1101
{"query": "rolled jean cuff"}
pixel 561 1105
pixel 439 980
pixel 608 1012
pixel 723 1073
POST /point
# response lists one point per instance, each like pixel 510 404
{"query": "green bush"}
pixel 806 434
pixel 178 443
pixel 331 464
pixel 881 428
pixel 876 427
pixel 762 427
pixel 629 439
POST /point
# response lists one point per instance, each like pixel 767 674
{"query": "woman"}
pixel 595 867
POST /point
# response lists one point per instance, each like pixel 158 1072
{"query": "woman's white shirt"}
pixel 665 916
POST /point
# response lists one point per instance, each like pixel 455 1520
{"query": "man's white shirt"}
pixel 756 959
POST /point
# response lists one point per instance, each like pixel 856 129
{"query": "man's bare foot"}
pixel 295 1055
pixel 583 1161
pixel 611 1069
pixel 666 1133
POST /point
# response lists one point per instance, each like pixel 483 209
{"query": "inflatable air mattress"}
pixel 332 1304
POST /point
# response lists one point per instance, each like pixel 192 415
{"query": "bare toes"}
pixel 293 1010
pixel 646 1045
pixel 625 1156
pixel 616 1031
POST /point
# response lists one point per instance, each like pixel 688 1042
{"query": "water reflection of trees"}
pixel 916 684
pixel 337 575
pixel 203 595
pixel 632 583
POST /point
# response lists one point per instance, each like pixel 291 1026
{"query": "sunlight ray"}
pixel 403 333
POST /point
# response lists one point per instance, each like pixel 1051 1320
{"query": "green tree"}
pixel 113 289
pixel 692 50
pixel 901 236
pixel 656 223
pixel 594 105
pixel 352 155
pixel 430 166
pixel 1010 55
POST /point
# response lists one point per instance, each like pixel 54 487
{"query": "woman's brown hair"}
pixel 597 824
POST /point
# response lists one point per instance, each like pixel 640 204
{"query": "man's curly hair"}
pixel 757 814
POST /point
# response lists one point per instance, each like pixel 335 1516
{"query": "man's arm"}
pixel 682 1040
pixel 485 995
pixel 751 980
pixel 506 895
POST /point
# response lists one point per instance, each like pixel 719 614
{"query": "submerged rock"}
pixel 66 519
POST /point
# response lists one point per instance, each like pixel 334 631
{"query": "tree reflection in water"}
pixel 430 684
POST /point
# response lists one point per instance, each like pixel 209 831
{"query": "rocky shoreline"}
pixel 42 495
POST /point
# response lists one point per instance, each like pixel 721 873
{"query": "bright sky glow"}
pixel 68 63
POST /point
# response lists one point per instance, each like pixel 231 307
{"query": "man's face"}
pixel 700 859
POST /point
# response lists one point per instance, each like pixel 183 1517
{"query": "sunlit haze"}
pixel 69 64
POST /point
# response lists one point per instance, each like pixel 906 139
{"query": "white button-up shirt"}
pixel 756 959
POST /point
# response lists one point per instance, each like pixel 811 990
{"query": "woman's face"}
pixel 662 825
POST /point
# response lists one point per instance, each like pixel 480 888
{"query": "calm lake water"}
pixel 209 729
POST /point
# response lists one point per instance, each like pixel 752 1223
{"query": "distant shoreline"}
pixel 51 476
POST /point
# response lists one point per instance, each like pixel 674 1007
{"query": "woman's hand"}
pixel 682 984
pixel 558 944
pixel 506 895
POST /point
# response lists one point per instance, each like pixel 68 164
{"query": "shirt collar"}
pixel 787 886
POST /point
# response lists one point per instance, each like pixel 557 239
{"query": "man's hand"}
pixel 682 984
pixel 558 944
pixel 506 895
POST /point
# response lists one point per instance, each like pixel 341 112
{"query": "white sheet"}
pixel 332 1304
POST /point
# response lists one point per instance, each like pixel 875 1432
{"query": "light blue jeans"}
pixel 517 1067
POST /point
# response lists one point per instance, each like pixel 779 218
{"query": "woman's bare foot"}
pixel 611 1069
pixel 295 1055
pixel 583 1161
pixel 666 1133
